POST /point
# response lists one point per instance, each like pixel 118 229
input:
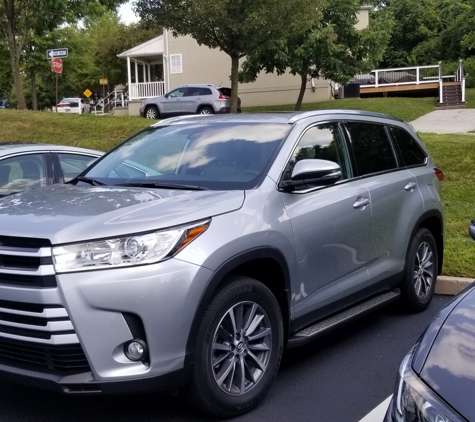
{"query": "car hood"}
pixel 450 365
pixel 68 213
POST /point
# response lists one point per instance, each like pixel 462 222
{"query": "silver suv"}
pixel 189 99
pixel 191 255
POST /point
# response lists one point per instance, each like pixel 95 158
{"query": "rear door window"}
pixel 372 148
pixel 73 164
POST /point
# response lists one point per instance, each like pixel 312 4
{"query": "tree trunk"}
pixel 234 83
pixel 15 53
pixel 303 87
pixel 34 93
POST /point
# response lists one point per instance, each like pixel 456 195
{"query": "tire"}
pixel 206 111
pixel 420 272
pixel 151 112
pixel 243 367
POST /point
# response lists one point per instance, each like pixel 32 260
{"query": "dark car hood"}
pixel 450 366
pixel 68 213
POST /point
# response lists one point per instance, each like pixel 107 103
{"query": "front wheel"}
pixel 420 273
pixel 238 349
pixel 151 113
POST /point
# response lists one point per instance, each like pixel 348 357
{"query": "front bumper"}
pixel 159 299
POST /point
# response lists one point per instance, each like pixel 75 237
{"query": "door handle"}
pixel 410 186
pixel 360 202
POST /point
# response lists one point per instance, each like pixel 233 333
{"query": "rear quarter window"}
pixel 411 152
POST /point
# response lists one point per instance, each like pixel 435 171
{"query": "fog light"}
pixel 136 350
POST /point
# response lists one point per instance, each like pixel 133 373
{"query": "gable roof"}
pixel 152 47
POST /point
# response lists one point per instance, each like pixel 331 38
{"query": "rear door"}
pixel 331 225
pixel 395 198
pixel 192 99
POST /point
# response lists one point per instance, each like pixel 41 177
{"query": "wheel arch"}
pixel 152 105
pixel 266 265
pixel 201 106
pixel 433 221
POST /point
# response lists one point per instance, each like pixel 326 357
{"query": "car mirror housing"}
pixel 312 172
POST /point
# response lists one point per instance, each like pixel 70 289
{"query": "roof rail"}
pixel 312 113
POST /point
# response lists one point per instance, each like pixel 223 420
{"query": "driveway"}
pixel 446 121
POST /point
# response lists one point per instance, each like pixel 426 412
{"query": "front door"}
pixel 171 104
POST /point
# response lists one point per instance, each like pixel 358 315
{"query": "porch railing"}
pixel 399 76
pixel 146 90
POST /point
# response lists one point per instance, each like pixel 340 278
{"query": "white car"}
pixel 73 105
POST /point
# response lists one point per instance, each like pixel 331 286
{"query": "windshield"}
pixel 219 156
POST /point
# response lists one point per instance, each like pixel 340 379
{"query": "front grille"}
pixel 63 359
pixel 26 262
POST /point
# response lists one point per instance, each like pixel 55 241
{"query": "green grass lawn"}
pixel 454 154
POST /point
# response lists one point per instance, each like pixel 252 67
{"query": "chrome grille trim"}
pixel 54 341
pixel 41 271
pixel 48 313
pixel 29 252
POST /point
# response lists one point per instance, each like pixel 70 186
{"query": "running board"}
pixel 329 324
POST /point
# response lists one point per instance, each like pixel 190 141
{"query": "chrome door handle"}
pixel 361 202
pixel 410 186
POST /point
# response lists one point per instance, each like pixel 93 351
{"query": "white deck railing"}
pixel 146 90
pixel 400 76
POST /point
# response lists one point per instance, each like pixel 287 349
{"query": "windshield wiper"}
pixel 159 185
pixel 92 182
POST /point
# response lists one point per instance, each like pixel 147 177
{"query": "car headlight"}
pixel 137 249
pixel 414 401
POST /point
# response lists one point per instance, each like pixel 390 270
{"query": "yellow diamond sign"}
pixel 87 93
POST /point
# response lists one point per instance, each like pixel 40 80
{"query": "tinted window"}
pixel 322 142
pixel 215 156
pixel 22 172
pixel 373 151
pixel 225 91
pixel 411 152
pixel 73 164
pixel 177 93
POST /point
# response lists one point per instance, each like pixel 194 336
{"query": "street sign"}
pixel 103 81
pixel 57 65
pixel 57 52
pixel 87 93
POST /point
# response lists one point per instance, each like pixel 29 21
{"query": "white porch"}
pixel 145 69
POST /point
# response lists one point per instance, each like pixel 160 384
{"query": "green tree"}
pixel 332 48
pixel 237 27
pixel 19 20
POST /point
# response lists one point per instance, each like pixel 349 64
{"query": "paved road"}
pixel 446 121
pixel 341 377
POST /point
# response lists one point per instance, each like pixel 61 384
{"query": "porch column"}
pixel 129 78
pixel 144 71
pixel 136 71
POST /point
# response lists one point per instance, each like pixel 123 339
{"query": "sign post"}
pixel 57 66
pixel 55 55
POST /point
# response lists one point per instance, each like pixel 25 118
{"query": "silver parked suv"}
pixel 189 99
pixel 191 255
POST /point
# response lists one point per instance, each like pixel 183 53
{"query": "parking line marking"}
pixel 377 414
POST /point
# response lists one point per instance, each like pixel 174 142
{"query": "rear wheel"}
pixel 206 110
pixel 238 349
pixel 420 274
pixel 151 112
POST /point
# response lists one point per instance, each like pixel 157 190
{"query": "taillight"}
pixel 224 97
pixel 439 173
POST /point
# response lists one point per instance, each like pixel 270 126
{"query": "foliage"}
pixel 237 27
pixel 333 48
pixel 21 20
pixel 429 31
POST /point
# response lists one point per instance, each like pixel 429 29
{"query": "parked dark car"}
pixel 25 166
pixel 436 379
pixel 4 104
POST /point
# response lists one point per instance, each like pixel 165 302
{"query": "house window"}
pixel 175 63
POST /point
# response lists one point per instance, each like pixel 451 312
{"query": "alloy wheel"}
pixel 241 348
pixel 423 270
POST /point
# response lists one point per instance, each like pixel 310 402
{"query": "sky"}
pixel 126 14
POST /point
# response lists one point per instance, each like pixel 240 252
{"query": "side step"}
pixel 329 324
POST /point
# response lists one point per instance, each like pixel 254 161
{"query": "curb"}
pixel 451 285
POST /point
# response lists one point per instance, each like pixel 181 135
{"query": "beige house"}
pixel 165 62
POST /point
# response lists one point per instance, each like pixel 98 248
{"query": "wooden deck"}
pixel 400 88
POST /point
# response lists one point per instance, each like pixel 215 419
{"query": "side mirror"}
pixel 312 172
pixel 471 229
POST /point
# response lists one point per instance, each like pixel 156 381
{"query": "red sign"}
pixel 57 65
